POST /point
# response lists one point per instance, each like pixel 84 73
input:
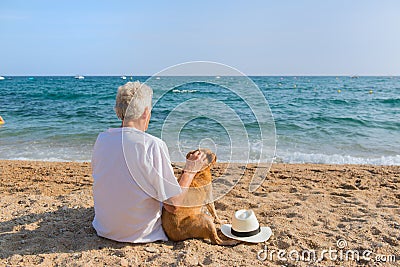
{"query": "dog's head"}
pixel 211 158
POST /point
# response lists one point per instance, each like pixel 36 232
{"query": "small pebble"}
pixel 77 255
pixel 151 249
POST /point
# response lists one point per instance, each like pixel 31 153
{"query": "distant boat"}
pixel 157 78
pixel 218 77
pixel 354 77
pixel 123 77
pixel 79 77
pixel 2 78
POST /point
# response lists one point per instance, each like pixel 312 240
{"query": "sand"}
pixel 47 209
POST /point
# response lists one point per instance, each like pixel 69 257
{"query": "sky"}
pixel 265 37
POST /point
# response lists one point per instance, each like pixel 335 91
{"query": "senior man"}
pixel 132 172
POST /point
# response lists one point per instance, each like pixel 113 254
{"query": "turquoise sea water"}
pixel 318 119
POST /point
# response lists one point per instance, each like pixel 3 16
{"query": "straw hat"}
pixel 245 227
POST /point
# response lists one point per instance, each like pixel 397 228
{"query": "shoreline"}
pixel 279 162
pixel 47 209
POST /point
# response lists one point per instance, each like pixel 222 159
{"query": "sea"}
pixel 302 119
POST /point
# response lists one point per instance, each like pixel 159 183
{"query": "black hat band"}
pixel 245 234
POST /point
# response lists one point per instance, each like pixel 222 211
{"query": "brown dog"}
pixel 191 222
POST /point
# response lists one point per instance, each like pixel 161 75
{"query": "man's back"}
pixel 130 168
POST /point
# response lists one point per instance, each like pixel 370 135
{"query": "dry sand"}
pixel 47 209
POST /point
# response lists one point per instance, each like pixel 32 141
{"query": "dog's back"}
pixel 189 221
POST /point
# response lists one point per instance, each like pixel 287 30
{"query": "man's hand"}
pixel 195 162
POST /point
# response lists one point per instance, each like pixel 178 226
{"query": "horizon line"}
pixel 250 75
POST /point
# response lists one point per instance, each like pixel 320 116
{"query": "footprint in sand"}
pixel 348 187
pixel 391 241
pixel 341 194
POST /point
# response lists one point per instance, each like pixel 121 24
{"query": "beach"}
pixel 298 101
pixel 47 210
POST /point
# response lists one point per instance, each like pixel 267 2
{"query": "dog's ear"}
pixel 211 157
pixel 214 160
pixel 190 153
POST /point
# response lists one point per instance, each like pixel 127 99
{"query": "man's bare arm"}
pixel 184 181
pixel 193 164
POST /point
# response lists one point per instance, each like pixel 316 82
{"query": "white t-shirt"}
pixel 132 175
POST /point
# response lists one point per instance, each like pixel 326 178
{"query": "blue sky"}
pixel 286 37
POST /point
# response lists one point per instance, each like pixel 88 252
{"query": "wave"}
pixel 340 121
pixel 297 157
pixel 183 91
pixel 48 159
pixel 394 101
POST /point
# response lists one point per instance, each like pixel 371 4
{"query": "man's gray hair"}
pixel 132 99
